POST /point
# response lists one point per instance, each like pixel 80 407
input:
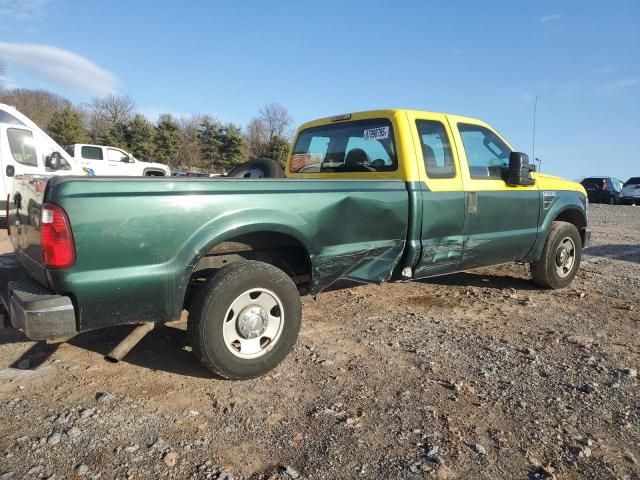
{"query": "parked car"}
pixel 369 197
pixel 631 191
pixel 27 149
pixel 105 160
pixel 603 190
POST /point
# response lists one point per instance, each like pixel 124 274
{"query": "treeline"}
pixel 198 142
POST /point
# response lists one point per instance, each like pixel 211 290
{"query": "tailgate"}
pixel 24 223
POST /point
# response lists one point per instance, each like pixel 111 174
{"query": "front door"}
pixel 442 195
pixel 501 221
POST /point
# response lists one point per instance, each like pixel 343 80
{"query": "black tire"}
pixel 545 271
pixel 212 305
pixel 261 167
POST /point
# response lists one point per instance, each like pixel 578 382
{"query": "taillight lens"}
pixel 58 249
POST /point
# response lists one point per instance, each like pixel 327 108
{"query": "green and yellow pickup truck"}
pixel 368 197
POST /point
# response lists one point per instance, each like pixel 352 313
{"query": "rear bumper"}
pixel 31 307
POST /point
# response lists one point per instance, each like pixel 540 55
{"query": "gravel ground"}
pixel 475 375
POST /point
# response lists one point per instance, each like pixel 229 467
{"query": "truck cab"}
pixel 106 160
pixel 467 212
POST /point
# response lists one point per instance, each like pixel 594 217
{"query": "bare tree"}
pixel 114 108
pixel 38 105
pixel 105 112
pixel 189 153
pixel 263 131
pixel 2 76
pixel 276 120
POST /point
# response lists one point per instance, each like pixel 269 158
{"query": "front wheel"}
pixel 245 320
pixel 560 257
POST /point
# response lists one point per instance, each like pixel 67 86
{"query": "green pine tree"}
pixel 231 146
pixel 140 135
pixel 66 127
pixel 167 140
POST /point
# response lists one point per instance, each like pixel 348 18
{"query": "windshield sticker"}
pixel 379 133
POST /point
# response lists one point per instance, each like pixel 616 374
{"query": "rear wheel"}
pixel 245 320
pixel 560 257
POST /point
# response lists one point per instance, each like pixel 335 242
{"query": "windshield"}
pixel 632 181
pixel 358 146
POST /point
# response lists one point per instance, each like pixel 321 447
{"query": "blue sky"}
pixel 228 59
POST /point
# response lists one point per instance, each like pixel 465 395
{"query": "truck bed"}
pixel 139 240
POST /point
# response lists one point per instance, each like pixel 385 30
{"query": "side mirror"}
pixel 53 161
pixel 125 159
pixel 519 172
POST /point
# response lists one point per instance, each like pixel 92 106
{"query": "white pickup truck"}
pixel 105 160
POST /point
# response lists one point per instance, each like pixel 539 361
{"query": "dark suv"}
pixel 603 190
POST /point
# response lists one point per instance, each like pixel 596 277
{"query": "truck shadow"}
pixel 165 348
pixel 484 280
pixel 626 253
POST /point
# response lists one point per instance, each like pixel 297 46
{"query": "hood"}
pixel 552 182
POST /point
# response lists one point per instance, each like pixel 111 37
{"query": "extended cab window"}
pixel 91 153
pixel 436 149
pixel 21 145
pixel 487 155
pixel 358 146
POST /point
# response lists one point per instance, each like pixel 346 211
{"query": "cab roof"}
pixel 387 112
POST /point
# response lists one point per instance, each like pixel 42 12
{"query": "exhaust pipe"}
pixel 130 341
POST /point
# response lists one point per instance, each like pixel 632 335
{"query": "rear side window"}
pixel 632 181
pixel 436 149
pixel 22 146
pixel 6 117
pixel 358 146
pixel 487 155
pixel 91 153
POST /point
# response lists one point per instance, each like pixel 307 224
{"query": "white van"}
pixel 105 160
pixel 27 149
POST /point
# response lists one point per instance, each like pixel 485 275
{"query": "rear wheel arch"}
pixel 153 172
pixel 282 250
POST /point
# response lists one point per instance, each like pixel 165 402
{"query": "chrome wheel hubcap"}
pixel 253 323
pixel 565 257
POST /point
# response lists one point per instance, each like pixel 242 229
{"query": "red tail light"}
pixel 58 249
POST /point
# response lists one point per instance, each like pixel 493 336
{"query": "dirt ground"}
pixel 476 375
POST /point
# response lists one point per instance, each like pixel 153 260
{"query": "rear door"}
pixel 93 156
pixel 20 154
pixel 442 195
pixel 501 221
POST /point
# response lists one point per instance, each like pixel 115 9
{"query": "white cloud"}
pixel 550 18
pixel 21 11
pixel 619 85
pixel 59 67
pixel 153 113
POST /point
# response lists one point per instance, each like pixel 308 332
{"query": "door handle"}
pixel 472 202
